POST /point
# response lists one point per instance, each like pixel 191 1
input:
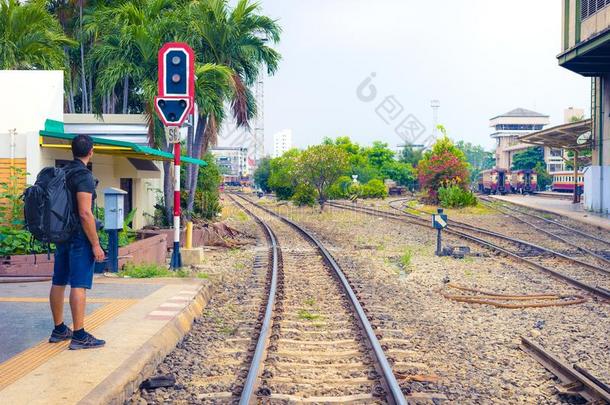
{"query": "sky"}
pixel 479 58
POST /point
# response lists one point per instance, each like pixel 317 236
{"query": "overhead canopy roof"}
pixel 590 57
pixel 53 136
pixel 562 136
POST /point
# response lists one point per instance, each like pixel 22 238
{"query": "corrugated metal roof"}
pixel 55 129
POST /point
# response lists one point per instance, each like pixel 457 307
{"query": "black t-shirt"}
pixel 80 180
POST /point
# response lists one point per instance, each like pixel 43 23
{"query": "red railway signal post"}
pixel 174 103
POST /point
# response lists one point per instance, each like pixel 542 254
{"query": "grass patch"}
pixel 241 216
pixel 309 316
pixel 156 270
pixel 147 271
pixel 405 259
pixel 310 302
pixel 228 330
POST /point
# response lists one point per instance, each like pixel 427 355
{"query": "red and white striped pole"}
pixel 176 261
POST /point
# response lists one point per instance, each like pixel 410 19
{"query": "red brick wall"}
pixel 152 249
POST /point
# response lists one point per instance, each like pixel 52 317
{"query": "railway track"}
pixel 554 228
pixel 586 276
pixel 575 380
pixel 316 343
pixel 587 258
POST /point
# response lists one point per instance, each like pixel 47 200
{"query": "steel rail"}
pixel 589 388
pixel 569 228
pixel 247 393
pixel 549 233
pixel 462 225
pixel 392 384
pixel 599 292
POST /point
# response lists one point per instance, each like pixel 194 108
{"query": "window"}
pixel 519 127
pixel 590 7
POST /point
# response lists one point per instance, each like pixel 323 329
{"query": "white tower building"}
pixel 282 142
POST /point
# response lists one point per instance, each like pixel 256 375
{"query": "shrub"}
pixel 443 164
pixel 354 190
pixel 454 196
pixel 374 189
pixel 340 188
pixel 151 270
pixel 207 204
pixel 304 195
pixel 19 242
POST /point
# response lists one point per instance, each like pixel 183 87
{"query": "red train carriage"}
pixel 523 181
pixel 494 181
pixel 564 182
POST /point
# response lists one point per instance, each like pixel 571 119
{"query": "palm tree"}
pixel 238 39
pixel 127 38
pixel 30 37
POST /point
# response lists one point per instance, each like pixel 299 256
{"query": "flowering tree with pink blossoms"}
pixel 444 165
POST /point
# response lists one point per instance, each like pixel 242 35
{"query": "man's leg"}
pixel 82 263
pixel 56 298
pixel 78 301
pixel 61 274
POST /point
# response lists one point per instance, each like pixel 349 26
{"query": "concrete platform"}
pixel 560 207
pixel 141 321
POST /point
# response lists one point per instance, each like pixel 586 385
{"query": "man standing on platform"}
pixel 75 259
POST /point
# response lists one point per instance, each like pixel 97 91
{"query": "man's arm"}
pixel 88 223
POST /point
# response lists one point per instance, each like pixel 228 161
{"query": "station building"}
pixel 35 133
pixel 232 162
pixel 585 50
pixel 507 130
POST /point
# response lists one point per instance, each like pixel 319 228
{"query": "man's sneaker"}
pixel 88 342
pixel 60 337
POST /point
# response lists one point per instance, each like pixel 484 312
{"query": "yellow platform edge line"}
pixel 23 363
pixel 43 349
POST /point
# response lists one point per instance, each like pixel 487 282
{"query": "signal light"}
pixel 172 110
pixel 176 83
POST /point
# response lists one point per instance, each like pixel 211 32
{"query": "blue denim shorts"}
pixel 74 262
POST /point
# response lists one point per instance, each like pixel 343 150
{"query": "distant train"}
pixel 523 181
pixel 564 181
pixel 494 181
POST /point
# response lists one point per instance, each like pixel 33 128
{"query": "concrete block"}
pixel 191 256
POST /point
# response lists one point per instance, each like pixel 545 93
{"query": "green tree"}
pixel 379 154
pixel 528 159
pixel 304 195
pixel 411 155
pixel 321 166
pixel 30 37
pixel 283 174
pixel 478 158
pixel 400 172
pixel 207 195
pixel 238 38
pixel 543 177
pixel 262 173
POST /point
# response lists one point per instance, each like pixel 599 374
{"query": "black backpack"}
pixel 48 207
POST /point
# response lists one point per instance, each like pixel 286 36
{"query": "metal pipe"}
pixel 176 261
pixel 188 241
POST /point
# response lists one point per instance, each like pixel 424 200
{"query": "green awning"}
pixel 55 130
